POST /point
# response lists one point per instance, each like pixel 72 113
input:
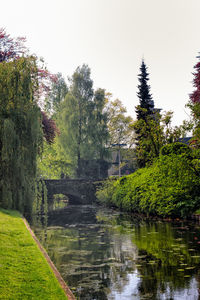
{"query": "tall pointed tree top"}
pixel 145 98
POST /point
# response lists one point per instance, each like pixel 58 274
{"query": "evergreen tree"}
pixel 147 125
pixel 146 103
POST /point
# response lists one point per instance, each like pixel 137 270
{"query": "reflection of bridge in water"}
pixel 79 191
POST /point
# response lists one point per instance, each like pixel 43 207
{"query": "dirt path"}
pixel 51 264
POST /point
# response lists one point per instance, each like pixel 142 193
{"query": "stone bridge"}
pixel 79 191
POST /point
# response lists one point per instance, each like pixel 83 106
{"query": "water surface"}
pixel 104 254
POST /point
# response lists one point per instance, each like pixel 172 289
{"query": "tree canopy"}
pixel 20 133
pixel 83 121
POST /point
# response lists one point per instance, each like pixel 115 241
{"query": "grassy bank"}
pixel 24 272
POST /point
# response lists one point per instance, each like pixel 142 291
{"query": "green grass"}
pixel 24 272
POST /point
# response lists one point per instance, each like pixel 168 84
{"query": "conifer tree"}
pixel 148 131
pixel 146 103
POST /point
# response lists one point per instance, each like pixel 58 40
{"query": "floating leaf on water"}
pixel 181 270
pixel 110 259
pixel 183 265
pixel 152 262
pixel 190 268
pixel 195 256
pixel 187 276
pixel 142 256
pixel 191 250
pixel 138 266
pixel 116 264
pixel 55 227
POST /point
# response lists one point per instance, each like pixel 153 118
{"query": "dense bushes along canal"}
pixel 169 187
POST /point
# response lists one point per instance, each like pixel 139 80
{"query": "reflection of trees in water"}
pixel 168 264
pixel 97 253
pixel 88 256
pixel 166 259
pixel 92 264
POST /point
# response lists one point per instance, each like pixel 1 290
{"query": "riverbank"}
pixel 24 271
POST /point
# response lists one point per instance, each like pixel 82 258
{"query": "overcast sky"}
pixel 112 37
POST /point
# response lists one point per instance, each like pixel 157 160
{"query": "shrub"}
pixel 170 187
pixel 175 148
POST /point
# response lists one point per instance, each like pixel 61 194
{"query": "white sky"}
pixel 112 36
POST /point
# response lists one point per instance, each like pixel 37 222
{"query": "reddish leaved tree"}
pixel 195 96
pixel 49 128
pixel 195 106
pixel 11 48
pixel 14 48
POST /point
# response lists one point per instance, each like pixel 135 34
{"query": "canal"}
pixel 105 254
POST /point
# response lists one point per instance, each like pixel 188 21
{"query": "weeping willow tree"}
pixel 20 133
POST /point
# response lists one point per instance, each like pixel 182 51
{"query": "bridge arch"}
pixel 79 191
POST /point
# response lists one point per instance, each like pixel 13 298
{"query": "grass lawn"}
pixel 24 272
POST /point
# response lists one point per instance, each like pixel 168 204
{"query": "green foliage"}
pixel 152 129
pixel 154 132
pixel 40 205
pixel 175 148
pixel 57 94
pixel 120 125
pixel 98 128
pixel 195 112
pixel 170 187
pixel 150 136
pixel 82 121
pixel 105 191
pixel 20 133
pixel 67 121
pixel 53 162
